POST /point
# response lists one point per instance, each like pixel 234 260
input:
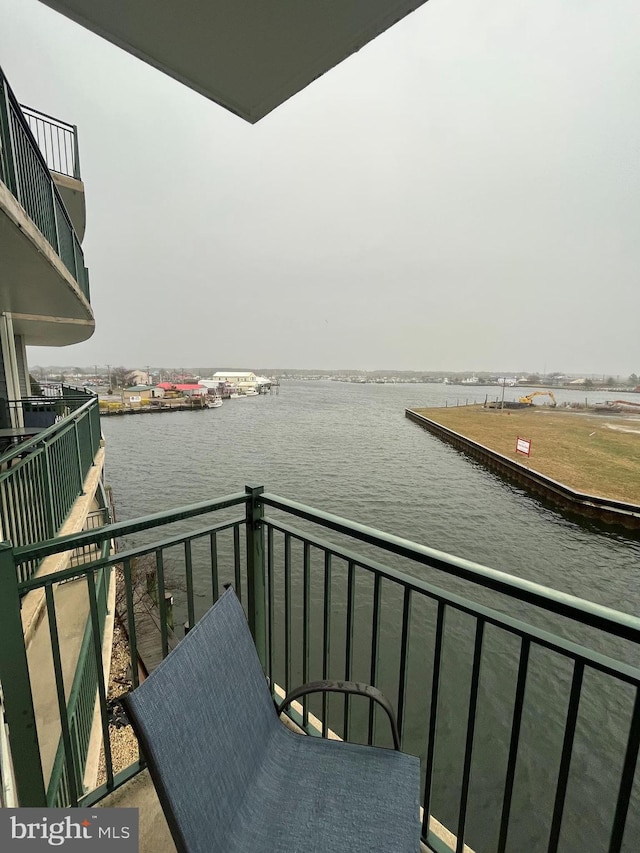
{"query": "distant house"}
pixel 139 377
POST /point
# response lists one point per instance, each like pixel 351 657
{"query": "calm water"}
pixel 349 449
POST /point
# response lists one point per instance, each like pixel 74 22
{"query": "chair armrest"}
pixel 352 687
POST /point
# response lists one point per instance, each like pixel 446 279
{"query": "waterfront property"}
pixel 242 381
pixel 181 389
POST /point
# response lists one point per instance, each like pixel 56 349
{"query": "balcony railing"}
pixel 57 140
pixel 558 666
pixel 24 170
pixel 41 478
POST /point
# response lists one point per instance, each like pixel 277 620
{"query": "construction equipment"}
pixel 528 399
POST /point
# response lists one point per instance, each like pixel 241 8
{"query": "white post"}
pixel 12 378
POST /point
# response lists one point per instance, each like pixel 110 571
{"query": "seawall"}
pixel 593 507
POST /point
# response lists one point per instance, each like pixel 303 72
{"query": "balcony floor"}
pixel 139 793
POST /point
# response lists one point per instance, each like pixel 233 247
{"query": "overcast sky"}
pixel 462 194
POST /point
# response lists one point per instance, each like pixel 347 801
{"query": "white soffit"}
pixel 246 55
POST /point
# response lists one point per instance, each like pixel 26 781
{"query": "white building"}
pixel 243 380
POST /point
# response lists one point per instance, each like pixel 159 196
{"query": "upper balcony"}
pixel 46 283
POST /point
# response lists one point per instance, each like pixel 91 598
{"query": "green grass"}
pixel 588 453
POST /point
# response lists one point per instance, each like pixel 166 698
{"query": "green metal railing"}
pixel 41 478
pixel 57 140
pixel 319 608
pixel 24 170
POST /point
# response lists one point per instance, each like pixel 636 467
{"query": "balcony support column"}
pixel 16 686
pixel 11 373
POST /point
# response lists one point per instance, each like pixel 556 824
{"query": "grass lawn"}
pixel 596 454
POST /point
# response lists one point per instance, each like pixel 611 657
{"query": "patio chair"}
pixel 231 778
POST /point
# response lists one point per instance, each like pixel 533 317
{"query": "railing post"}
pixel 76 155
pixel 256 585
pixel 16 685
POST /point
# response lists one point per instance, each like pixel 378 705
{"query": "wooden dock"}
pixel 148 635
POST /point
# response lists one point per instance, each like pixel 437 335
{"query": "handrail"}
pixel 125 528
pixel 530 592
pixel 31 189
pixel 472 608
pixel 26 109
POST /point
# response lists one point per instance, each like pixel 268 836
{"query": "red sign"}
pixel 523 445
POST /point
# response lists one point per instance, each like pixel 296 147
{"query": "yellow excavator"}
pixel 528 400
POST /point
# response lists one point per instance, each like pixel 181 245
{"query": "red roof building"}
pixel 188 390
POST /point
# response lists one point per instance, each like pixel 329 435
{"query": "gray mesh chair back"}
pixel 231 777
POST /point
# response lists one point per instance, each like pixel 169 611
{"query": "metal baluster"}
pixel 287 612
pixel 213 550
pixel 565 760
pixel 326 639
pixel 433 716
pixel 306 629
pixel 188 570
pixel 375 640
pixel 516 723
pixel 236 560
pixel 626 780
pixel 348 646
pixel 162 604
pixel 256 575
pixel 471 724
pixel 271 601
pixel 131 622
pixel 404 643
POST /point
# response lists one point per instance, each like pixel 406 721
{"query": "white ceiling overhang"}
pixel 246 55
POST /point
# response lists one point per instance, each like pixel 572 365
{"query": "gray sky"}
pixel 462 194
